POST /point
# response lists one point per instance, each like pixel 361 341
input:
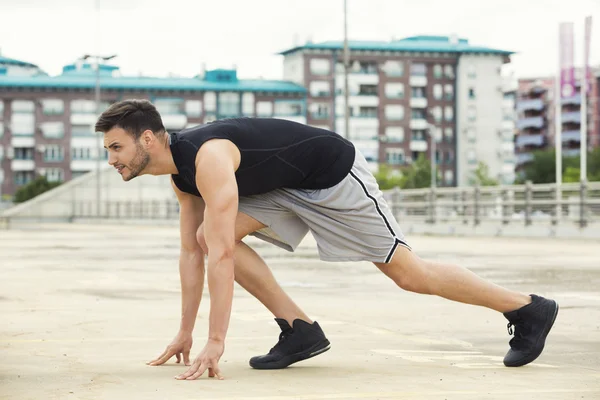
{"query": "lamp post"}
pixel 97 59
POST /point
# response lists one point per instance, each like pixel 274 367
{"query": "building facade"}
pixel 47 123
pixel 398 88
pixel 536 118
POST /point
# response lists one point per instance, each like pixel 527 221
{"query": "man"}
pixel 277 180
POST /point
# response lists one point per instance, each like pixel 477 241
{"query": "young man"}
pixel 277 180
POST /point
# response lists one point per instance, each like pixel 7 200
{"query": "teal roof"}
pixel 12 61
pixel 430 44
pixel 84 77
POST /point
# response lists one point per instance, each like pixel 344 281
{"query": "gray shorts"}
pixel 350 221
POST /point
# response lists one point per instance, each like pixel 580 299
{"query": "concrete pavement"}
pixel 85 306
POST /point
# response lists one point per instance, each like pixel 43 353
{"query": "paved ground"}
pixel 84 307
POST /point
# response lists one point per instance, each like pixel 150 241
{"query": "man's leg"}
pixel 532 316
pixel 450 281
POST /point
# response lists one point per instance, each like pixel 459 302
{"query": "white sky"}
pixel 176 36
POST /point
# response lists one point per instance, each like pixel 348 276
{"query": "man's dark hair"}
pixel 133 116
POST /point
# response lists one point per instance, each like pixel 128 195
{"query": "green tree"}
pixel 542 169
pixel 387 178
pixel 418 174
pixel 481 176
pixel 33 189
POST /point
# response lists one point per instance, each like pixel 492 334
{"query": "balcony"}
pixel 174 121
pixel 571 136
pixel 418 124
pixel 418 145
pixel 22 165
pixel 22 141
pixel 531 104
pixel 83 119
pixel 418 81
pixel 573 100
pixel 571 117
pixel 530 140
pixel 530 122
pixel 418 102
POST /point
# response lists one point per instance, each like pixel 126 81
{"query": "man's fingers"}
pixel 178 355
pixel 191 370
pixel 216 371
pixel 186 357
pixel 198 373
pixel 157 358
pixel 164 358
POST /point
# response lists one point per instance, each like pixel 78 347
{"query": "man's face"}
pixel 127 155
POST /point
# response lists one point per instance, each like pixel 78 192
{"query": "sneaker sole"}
pixel 531 357
pixel 315 350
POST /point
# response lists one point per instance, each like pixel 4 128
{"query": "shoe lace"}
pixel 520 331
pixel 282 339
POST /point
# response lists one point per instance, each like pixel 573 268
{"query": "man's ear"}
pixel 148 137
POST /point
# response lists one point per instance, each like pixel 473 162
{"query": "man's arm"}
pixel 216 164
pixel 191 258
pixel 191 274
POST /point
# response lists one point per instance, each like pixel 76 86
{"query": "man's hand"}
pixel 207 359
pixel 181 345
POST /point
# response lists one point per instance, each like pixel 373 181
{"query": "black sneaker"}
pixel 532 324
pixel 295 344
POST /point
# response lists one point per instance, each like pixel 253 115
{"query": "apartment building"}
pixel 398 88
pixel 47 122
pixel 536 118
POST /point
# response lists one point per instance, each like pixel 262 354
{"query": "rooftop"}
pixel 422 43
pixel 83 76
pixel 12 61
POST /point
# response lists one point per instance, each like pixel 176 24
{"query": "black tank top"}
pixel 275 154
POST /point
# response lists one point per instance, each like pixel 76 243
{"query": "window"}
pixel 417 113
pixel 471 156
pixel 54 153
pixel 55 174
pixel 471 71
pixel 229 104
pixel 394 134
pixel 394 90
pixel 248 103
pixel 367 90
pixel 393 68
pixel 471 93
pixel 82 130
pixel 23 106
pixel 449 90
pixel 367 112
pixel 449 134
pixel 80 153
pixel 449 71
pixel 437 71
pixel 53 130
pixel 83 106
pixel 289 108
pixel 193 108
pixel 23 153
pixel 417 92
pixel 449 113
pixel 210 102
pixel 319 110
pixel 53 106
pixel 449 176
pixel 395 156
pixel 23 177
pixel 436 112
pixel 472 113
pixel 437 91
pixel 264 109
pixel 320 89
pixel 1 129
pixel 418 69
pixel 1 108
pixel 23 124
pixel 394 112
pixel 320 66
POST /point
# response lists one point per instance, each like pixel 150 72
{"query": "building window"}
pixel 472 113
pixel 53 106
pixel 394 134
pixel 471 71
pixel 449 113
pixel 23 106
pixel 23 153
pixel 82 130
pixel 264 108
pixel 449 71
pixel 394 112
pixel 437 91
pixel 418 69
pixel 418 93
pixel 210 102
pixel 417 113
pixel 319 110
pixel 55 174
pixel 53 130
pixel 449 90
pixel 289 108
pixel 83 106
pixel 248 104
pixel 394 90
pixel 449 176
pixel 320 89
pixel 367 90
pixel 436 112
pixel 320 66
pixel 54 153
pixel 471 93
pixel 193 108
pixel 23 177
pixel 395 156
pixel 1 129
pixel 23 124
pixel 367 112
pixel 471 156
pixel 393 68
pixel 437 71
pixel 229 104
pixel 81 153
pixel 449 135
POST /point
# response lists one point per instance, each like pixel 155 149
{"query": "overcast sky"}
pixel 155 37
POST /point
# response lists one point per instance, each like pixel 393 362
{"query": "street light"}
pixel 99 146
